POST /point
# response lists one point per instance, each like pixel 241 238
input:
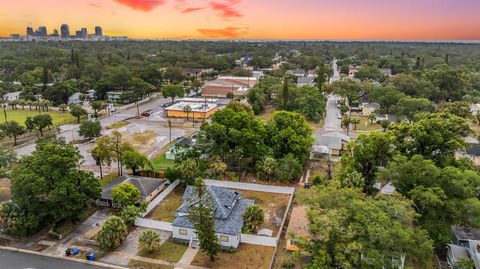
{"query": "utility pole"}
pixel 170 130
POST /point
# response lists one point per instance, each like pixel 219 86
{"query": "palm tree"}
pixel 218 167
pixel 149 241
pixel 253 217
pixel 187 109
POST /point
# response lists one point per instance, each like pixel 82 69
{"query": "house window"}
pixel 223 238
pixel 183 232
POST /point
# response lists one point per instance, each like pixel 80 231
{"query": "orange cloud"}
pixel 228 32
pixel 142 5
pixel 226 9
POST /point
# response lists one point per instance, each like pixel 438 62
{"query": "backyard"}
pixel 166 210
pixel 245 257
pixel 364 125
pixel 20 115
pixel 274 205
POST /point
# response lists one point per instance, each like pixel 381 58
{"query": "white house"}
pixel 228 208
pixel 12 96
pixel 74 99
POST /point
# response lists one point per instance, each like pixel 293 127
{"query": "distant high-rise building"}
pixel 42 31
pixel 55 33
pixel 29 31
pixel 65 31
pixel 98 31
pixel 82 33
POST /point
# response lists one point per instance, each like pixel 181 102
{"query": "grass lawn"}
pixel 274 205
pixel 246 257
pixel 136 264
pixel 117 125
pixel 107 179
pixel 167 209
pixel 162 163
pixel 20 116
pixel 168 251
pixel 365 125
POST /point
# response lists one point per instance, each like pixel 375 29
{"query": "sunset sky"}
pixel 252 19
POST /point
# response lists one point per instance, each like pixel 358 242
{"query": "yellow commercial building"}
pixel 191 110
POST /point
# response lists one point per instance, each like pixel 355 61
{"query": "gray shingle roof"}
pixel 145 185
pixel 305 80
pixel 227 205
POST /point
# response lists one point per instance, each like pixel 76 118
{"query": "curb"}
pixel 99 264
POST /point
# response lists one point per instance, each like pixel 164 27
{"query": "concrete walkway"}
pixel 188 256
pixel 155 261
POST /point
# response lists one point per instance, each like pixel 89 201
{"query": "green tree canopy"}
pixel 351 230
pixel 112 233
pixel 126 194
pixel 444 197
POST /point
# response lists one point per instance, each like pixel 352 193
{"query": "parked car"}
pixel 146 114
pixel 339 115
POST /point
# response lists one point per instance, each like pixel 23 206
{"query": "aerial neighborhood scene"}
pixel 240 134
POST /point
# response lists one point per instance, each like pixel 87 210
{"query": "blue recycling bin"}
pixel 91 256
pixel 75 251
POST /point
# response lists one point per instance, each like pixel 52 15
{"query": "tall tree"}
pixel 173 91
pixel 367 155
pixel 201 216
pixel 48 185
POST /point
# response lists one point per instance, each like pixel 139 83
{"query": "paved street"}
pixel 71 131
pixel 17 260
pixel 336 73
pixel 332 122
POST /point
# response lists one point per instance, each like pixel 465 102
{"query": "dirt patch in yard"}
pixel 166 210
pixel 274 205
pixel 246 257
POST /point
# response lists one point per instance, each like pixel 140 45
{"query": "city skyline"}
pixel 249 19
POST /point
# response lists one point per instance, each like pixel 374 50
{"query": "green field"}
pixel 20 116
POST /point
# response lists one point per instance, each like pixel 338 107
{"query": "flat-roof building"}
pixel 196 110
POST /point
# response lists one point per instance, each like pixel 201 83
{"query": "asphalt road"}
pixel 17 260
pixel 332 122
pixel 118 116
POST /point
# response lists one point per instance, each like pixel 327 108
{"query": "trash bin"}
pixel 75 251
pixel 68 252
pixel 91 256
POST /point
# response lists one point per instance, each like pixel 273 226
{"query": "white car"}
pixel 339 115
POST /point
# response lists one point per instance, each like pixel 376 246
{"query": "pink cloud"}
pixel 142 5
pixel 228 32
pixel 226 9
